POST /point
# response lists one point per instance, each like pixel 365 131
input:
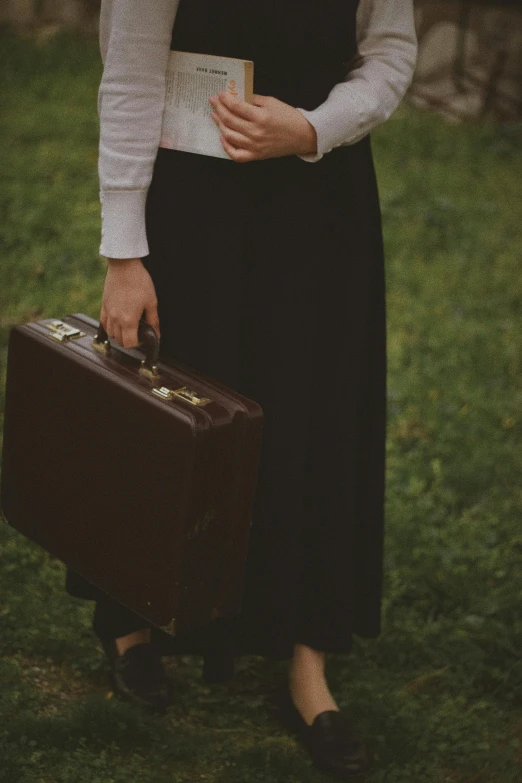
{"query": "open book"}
pixel 191 80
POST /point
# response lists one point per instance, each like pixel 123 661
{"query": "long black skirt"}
pixel 270 278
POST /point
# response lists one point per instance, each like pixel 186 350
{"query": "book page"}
pixel 191 80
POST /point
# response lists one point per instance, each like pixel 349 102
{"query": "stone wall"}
pixel 470 59
pixel 71 13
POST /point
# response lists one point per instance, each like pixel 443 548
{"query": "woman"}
pixel 274 257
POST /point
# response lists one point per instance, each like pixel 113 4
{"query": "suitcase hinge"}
pixel 170 628
pixel 184 392
pixel 63 332
pixel 151 373
pixel 102 347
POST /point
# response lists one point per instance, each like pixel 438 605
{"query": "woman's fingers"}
pixel 152 318
pixel 113 330
pixel 236 153
pixel 128 291
pixel 228 118
pixel 240 108
pixel 129 333
pixel 233 137
pixel 240 126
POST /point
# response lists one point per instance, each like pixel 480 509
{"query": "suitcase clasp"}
pixel 184 392
pixel 63 332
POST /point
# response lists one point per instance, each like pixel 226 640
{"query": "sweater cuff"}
pixel 322 144
pixel 123 224
pixel 330 133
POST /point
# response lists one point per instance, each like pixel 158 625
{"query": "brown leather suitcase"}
pixel 137 473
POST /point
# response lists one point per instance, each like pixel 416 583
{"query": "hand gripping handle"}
pixel 148 339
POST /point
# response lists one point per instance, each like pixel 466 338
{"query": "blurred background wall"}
pixel 470 58
pixel 73 13
pixel 470 51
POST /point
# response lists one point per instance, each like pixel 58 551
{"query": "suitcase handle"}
pixel 147 338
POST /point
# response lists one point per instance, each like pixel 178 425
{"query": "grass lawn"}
pixel 439 693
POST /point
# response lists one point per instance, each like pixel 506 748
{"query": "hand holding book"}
pixel 252 126
pixel 265 128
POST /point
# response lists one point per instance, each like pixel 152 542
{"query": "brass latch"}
pixel 63 332
pixel 184 392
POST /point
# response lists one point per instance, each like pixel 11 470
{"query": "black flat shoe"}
pixel 331 740
pixel 138 676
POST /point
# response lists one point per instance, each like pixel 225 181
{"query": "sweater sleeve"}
pixel 134 42
pixel 376 81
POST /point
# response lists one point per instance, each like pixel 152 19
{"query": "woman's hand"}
pixel 268 128
pixel 128 291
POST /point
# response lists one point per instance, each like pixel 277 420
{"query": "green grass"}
pixel 439 693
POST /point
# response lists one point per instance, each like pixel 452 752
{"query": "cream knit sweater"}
pixel 135 41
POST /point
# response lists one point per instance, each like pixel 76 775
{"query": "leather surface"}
pixel 148 499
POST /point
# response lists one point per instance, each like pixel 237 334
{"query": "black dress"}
pixel 270 278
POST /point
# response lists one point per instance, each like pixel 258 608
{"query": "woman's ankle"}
pixel 308 685
pixel 307 661
pixel 123 643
